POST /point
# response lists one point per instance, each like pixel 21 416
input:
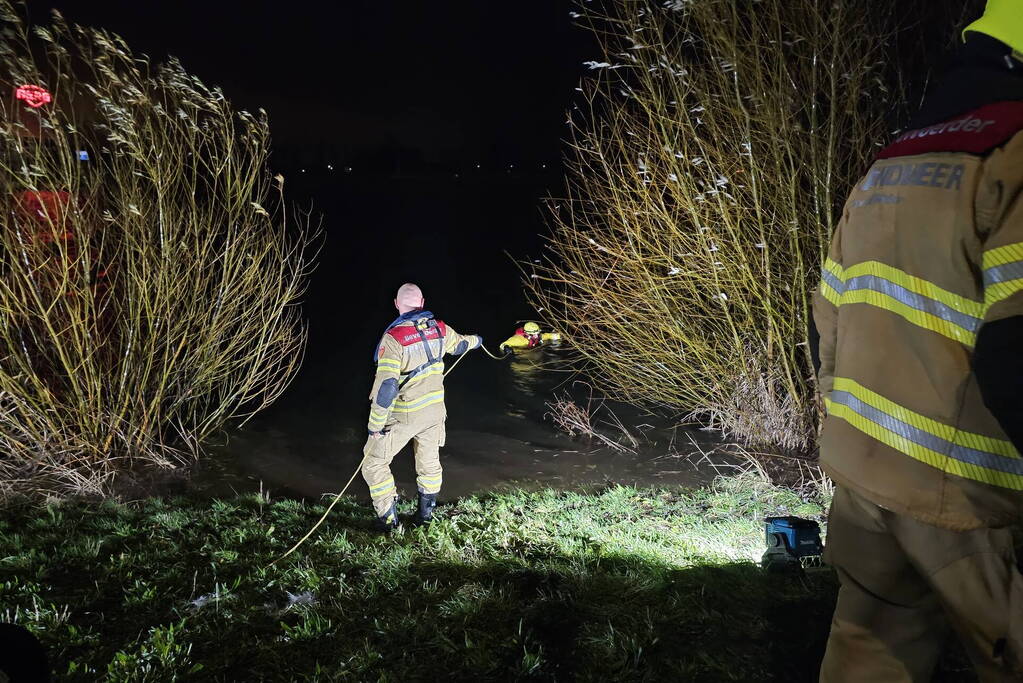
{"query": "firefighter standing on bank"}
pixel 920 314
pixel 407 404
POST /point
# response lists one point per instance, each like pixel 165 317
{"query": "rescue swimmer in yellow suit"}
pixel 407 404
pixel 528 337
pixel 920 316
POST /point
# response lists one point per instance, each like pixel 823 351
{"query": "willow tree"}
pixel 149 273
pixel 709 157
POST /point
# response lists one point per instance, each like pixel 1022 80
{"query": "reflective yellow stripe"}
pixel 829 293
pixel 918 285
pixel 1002 291
pixel 1003 273
pixel 386 366
pixel 1002 255
pixel 965 454
pixel 436 370
pixel 383 488
pixel 424 397
pixel 381 494
pixel 914 299
pixel 377 415
pixel 831 282
pixel 910 314
pixel 834 267
pixel 430 480
pixel 939 429
pixel 429 399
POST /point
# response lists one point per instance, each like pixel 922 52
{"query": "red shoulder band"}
pixel 407 335
pixel 975 132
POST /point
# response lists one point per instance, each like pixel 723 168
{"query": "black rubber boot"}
pixel 389 522
pixel 427 502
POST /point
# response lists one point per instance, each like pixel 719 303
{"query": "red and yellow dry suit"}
pixel 521 340
pixel 408 402
pixel 928 251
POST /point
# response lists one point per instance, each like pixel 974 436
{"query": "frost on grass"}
pixel 305 598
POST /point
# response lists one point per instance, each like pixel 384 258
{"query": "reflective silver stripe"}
pixel 833 281
pixel 907 297
pixel 429 365
pixel 406 406
pixel 1003 273
pixel 991 461
pixel 914 300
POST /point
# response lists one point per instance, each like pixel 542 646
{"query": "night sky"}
pixel 447 84
pixel 458 81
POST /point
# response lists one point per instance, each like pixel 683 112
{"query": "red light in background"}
pixel 33 95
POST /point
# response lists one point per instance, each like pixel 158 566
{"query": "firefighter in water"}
pixel 407 404
pixel 526 337
pixel 529 337
pixel 920 315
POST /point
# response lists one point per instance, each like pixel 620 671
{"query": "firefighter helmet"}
pixel 1003 20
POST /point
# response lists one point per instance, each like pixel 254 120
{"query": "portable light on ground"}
pixel 792 542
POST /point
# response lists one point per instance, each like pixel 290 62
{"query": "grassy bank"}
pixel 622 584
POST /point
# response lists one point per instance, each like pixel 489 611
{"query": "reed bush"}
pixel 149 294
pixel 709 155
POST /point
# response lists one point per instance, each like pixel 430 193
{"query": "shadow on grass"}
pixel 495 622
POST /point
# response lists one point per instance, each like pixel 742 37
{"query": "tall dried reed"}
pixel 709 156
pixel 149 294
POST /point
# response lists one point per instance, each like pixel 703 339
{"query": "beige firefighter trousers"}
pixel 905 582
pixel 376 468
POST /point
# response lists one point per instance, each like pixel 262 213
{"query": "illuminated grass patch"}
pixel 622 584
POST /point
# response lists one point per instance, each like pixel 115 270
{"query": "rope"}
pixel 507 352
pixel 329 508
pixel 358 467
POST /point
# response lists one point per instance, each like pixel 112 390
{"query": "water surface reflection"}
pixel 498 436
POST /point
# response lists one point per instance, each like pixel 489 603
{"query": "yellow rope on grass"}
pixel 329 508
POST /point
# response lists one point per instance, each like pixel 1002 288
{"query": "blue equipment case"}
pixel 789 540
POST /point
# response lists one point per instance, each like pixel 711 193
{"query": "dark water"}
pixel 454 239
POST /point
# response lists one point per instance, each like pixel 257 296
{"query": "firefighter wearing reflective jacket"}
pixel 920 315
pixel 407 404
